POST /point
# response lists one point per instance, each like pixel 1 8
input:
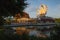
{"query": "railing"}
pixel 29 25
pixel 38 24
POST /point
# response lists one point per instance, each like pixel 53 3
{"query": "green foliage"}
pixel 1 21
pixel 57 20
pixel 56 34
pixel 11 7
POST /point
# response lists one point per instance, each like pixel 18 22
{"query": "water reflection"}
pixel 34 31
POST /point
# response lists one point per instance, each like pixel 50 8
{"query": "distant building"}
pixel 41 15
pixel 46 20
pixel 25 15
pixel 42 10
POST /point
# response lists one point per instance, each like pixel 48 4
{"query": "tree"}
pixel 11 7
pixel 1 21
pixel 57 20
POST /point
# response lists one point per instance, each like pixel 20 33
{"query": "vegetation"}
pixel 57 20
pixel 2 21
pixel 11 7
pixel 9 36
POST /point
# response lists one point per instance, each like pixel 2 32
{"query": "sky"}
pixel 53 7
